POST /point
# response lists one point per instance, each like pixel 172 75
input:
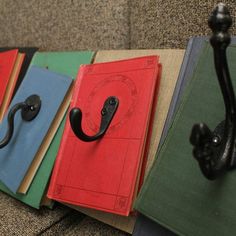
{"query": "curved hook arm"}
pixel 29 110
pixel 10 119
pixel 108 111
pixel 215 151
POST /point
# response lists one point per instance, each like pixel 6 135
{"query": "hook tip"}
pixel 75 114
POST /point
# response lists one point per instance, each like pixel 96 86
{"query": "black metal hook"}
pixel 29 110
pixel 108 111
pixel 215 151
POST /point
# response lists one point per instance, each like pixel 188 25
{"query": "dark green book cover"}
pixel 66 63
pixel 176 194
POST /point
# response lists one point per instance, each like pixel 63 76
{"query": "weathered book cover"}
pixel 103 174
pixel 176 194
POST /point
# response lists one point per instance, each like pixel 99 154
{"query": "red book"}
pixel 105 174
pixel 10 64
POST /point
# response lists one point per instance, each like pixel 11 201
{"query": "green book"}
pixel 176 194
pixel 66 63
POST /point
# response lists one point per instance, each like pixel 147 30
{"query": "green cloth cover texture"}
pixel 66 63
pixel 176 194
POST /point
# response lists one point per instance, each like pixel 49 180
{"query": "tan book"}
pixel 171 60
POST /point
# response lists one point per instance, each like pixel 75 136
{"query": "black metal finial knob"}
pixel 220 21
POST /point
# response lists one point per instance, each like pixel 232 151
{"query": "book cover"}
pixel 147 227
pixel 10 65
pixel 103 174
pixel 28 52
pixel 17 156
pixel 169 58
pixel 7 60
pixel 66 63
pixel 176 194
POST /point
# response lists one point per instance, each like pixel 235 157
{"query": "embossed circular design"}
pixel 125 80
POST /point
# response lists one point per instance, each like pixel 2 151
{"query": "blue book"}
pixel 28 136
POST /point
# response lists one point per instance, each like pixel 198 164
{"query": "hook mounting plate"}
pixel 108 111
pixel 32 108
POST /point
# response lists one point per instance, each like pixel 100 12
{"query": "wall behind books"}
pixel 64 25
pixel 170 23
pixel 110 24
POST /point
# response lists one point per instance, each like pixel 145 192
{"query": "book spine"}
pixel 180 80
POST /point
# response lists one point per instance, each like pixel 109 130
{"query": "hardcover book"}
pixel 104 174
pixel 29 53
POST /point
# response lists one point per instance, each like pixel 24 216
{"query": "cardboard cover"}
pixel 103 174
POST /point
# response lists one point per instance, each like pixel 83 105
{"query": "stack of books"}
pixel 28 159
pixel 111 138
pixel 176 198
pixel 101 178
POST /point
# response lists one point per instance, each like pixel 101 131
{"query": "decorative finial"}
pixel 216 151
pixel 220 21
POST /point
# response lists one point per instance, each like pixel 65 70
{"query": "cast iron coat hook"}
pixel 108 111
pixel 215 151
pixel 29 110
